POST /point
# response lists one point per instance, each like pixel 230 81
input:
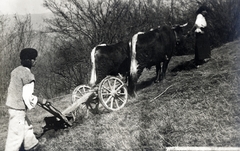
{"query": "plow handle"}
pixel 48 107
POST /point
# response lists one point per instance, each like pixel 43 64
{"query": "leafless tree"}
pixel 13 39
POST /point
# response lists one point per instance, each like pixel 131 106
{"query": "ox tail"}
pixel 94 55
pixel 93 71
pixel 134 65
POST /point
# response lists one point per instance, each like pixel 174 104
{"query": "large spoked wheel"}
pixel 78 92
pixel 112 93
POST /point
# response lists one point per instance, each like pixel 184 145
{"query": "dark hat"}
pixel 28 53
pixel 201 9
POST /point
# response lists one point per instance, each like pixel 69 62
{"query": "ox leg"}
pixel 165 65
pixel 158 73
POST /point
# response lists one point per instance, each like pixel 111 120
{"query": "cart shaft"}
pixel 78 102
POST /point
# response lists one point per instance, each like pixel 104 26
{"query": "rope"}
pixel 161 93
pixel 156 96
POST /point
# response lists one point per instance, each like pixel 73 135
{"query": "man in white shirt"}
pixel 20 98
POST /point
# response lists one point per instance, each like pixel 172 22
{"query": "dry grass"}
pixel 200 107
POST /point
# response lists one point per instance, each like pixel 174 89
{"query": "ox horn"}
pixel 184 25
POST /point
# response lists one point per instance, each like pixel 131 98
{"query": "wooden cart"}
pixel 111 93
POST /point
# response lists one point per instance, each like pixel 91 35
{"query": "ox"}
pixel 111 59
pixel 151 49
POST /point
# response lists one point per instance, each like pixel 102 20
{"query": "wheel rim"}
pixel 77 93
pixel 112 93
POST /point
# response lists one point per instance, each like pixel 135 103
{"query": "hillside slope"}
pixel 194 107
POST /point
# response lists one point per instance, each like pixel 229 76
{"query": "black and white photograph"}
pixel 120 75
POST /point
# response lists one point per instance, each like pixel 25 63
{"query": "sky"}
pixel 22 7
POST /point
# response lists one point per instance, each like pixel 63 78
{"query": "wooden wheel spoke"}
pixel 108 99
pixel 119 87
pixel 84 89
pixel 116 103
pixel 111 105
pixel 106 93
pixel 78 91
pixel 114 84
pixel 106 89
pixel 109 84
pixel 120 94
pixel 120 99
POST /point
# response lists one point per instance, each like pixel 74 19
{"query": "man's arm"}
pixel 29 99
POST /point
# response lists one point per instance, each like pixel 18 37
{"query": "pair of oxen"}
pixel 144 50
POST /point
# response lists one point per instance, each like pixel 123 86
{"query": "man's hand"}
pixel 42 101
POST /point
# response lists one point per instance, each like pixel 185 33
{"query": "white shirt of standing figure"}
pixel 200 23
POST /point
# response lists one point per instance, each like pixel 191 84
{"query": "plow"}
pixel 111 93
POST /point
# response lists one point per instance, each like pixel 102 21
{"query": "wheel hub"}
pixel 113 93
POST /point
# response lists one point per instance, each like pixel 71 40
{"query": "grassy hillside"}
pixel 191 107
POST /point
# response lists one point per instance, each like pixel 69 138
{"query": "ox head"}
pixel 177 28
